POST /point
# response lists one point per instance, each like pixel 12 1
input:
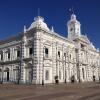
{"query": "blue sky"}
pixel 14 14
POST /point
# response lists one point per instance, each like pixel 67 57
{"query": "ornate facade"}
pixel 39 55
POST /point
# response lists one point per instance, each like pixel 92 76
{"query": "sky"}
pixel 14 14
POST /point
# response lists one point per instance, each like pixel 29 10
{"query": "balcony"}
pixel 9 61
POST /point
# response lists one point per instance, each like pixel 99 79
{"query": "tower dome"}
pixel 73 17
pixel 39 23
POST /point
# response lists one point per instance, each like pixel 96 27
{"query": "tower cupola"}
pixel 73 26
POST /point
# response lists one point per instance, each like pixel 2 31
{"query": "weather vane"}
pixel 71 10
pixel 38 11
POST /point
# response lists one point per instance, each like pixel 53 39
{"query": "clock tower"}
pixel 74 29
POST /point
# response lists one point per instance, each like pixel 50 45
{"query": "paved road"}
pixel 76 91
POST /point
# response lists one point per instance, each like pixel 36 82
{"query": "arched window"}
pixel 46 52
pixel 30 51
pixel 64 55
pixel 9 55
pixel 18 53
pixel 59 54
pixel 17 49
pixel 46 75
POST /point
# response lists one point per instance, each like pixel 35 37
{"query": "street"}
pixel 68 91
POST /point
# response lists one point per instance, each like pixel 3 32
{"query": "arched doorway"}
pixel 93 78
pixel 7 71
pixel 16 76
pixel 29 73
pixel 72 79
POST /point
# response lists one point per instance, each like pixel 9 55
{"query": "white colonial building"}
pixel 39 55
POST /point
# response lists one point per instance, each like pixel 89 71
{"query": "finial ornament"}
pixel 24 35
pixel 73 16
pixel 52 29
pixel 25 29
